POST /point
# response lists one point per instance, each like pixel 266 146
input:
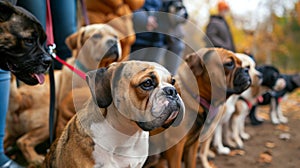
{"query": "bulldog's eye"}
pixel 28 41
pixel 97 36
pixel 147 84
pixel 229 65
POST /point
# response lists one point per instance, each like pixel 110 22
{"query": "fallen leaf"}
pixel 283 127
pixel 285 136
pixel 270 144
pixel 265 157
pixel 237 152
pixel 212 165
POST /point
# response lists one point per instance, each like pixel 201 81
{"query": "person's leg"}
pixel 37 8
pixel 4 97
pixel 173 57
pixel 64 18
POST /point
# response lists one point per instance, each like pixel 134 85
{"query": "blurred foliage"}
pixel 275 42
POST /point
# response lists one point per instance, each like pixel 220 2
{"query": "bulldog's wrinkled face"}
pixel 144 92
pixel 221 70
pixel 248 62
pixel 22 49
pixel 271 77
pixel 99 43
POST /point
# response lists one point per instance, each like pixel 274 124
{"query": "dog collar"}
pixel 80 66
pixel 210 111
pixel 246 101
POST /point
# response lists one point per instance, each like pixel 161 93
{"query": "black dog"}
pixel 22 49
pixel 273 98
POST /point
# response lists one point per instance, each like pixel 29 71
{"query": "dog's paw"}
pixel 38 160
pixel 274 118
pixel 240 143
pixel 223 151
pixel 211 154
pixel 230 143
pixel 245 136
pixel 283 120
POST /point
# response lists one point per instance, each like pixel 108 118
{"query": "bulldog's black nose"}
pixel 111 42
pixel 170 92
pixel 46 60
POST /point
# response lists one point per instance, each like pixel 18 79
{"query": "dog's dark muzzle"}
pixel 241 81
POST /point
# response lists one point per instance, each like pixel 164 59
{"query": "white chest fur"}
pixel 116 149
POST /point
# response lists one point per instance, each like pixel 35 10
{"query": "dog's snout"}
pixel 111 42
pixel 170 92
pixel 246 70
pixel 46 60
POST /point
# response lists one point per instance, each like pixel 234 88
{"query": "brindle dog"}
pixel 22 49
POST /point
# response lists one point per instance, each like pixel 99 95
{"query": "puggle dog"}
pixel 218 74
pixel 128 100
pixel 92 46
pixel 22 41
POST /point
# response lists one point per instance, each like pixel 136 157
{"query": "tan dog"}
pixel 218 74
pixel 93 46
pixel 27 118
pixel 129 99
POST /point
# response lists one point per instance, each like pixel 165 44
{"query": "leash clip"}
pixel 51 48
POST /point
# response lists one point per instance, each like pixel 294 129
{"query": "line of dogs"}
pixel 111 119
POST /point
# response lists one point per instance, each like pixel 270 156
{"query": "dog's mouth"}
pixel 171 118
pixel 40 77
pixel 28 78
pixel 241 82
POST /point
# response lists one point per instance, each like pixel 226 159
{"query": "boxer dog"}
pixel 27 118
pixel 218 74
pixel 271 80
pixel 93 46
pixel 128 100
pixel 22 49
pixel 273 99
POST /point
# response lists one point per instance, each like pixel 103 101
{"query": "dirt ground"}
pixel 265 148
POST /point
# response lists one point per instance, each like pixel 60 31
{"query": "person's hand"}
pixel 152 23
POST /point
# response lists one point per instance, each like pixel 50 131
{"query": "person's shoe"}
pixel 11 164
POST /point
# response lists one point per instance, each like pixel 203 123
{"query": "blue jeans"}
pixel 64 19
pixel 4 97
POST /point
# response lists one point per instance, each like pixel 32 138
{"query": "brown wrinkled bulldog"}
pixel 128 100
pixel 92 46
pixel 22 49
pixel 218 74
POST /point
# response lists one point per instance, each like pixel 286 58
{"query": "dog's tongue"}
pixel 40 78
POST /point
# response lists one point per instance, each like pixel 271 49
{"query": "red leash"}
pixel 51 44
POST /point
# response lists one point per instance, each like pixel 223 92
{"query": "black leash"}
pixel 52 103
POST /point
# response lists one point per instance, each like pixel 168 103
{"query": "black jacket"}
pixel 218 34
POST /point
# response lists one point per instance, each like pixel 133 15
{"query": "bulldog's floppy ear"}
pixel 75 40
pixel 195 62
pixel 99 83
pixel 6 10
